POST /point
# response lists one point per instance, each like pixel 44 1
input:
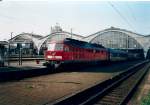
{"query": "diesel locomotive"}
pixel 71 51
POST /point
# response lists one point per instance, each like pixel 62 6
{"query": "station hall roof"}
pixel 38 40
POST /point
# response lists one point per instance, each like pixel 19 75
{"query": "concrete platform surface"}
pixel 26 65
pixel 45 89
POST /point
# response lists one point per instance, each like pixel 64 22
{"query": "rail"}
pixel 109 92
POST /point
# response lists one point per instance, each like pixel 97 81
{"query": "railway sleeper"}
pixel 105 103
pixel 109 101
pixel 118 91
pixel 116 95
pixel 113 97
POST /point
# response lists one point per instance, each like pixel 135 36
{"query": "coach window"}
pixel 66 49
pixel 75 49
pixel 70 49
pixel 94 51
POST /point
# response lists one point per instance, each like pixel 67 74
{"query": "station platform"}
pixel 26 65
pixel 14 71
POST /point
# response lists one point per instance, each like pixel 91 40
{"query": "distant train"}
pixel 71 51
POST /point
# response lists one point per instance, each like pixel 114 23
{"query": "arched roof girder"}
pixel 116 39
pixel 132 34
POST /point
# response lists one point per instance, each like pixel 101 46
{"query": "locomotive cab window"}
pixel 55 47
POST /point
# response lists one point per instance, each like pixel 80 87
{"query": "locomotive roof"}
pixel 116 51
pixel 82 44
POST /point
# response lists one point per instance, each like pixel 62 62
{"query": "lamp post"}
pixel 127 43
pixel 9 48
pixel 11 34
pixel 71 32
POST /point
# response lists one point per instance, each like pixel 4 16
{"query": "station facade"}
pixel 24 42
pixel 112 37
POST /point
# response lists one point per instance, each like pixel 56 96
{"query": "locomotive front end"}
pixel 54 54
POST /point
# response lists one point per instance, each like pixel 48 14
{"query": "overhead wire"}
pixel 131 11
pixel 122 16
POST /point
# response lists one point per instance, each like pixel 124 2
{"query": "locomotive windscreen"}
pixel 55 47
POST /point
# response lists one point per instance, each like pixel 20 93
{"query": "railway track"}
pixel 115 91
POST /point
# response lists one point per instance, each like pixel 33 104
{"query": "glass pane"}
pixel 59 47
pixel 55 47
pixel 51 46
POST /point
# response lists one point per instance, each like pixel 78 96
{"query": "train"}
pixel 70 51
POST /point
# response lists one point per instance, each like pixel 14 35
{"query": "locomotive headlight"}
pixel 55 57
pixel 49 56
pixel 58 57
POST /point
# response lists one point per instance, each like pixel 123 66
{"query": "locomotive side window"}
pixel 66 49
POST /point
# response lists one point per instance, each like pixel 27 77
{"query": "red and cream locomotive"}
pixel 71 51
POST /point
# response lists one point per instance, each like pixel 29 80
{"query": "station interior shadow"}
pixel 99 68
